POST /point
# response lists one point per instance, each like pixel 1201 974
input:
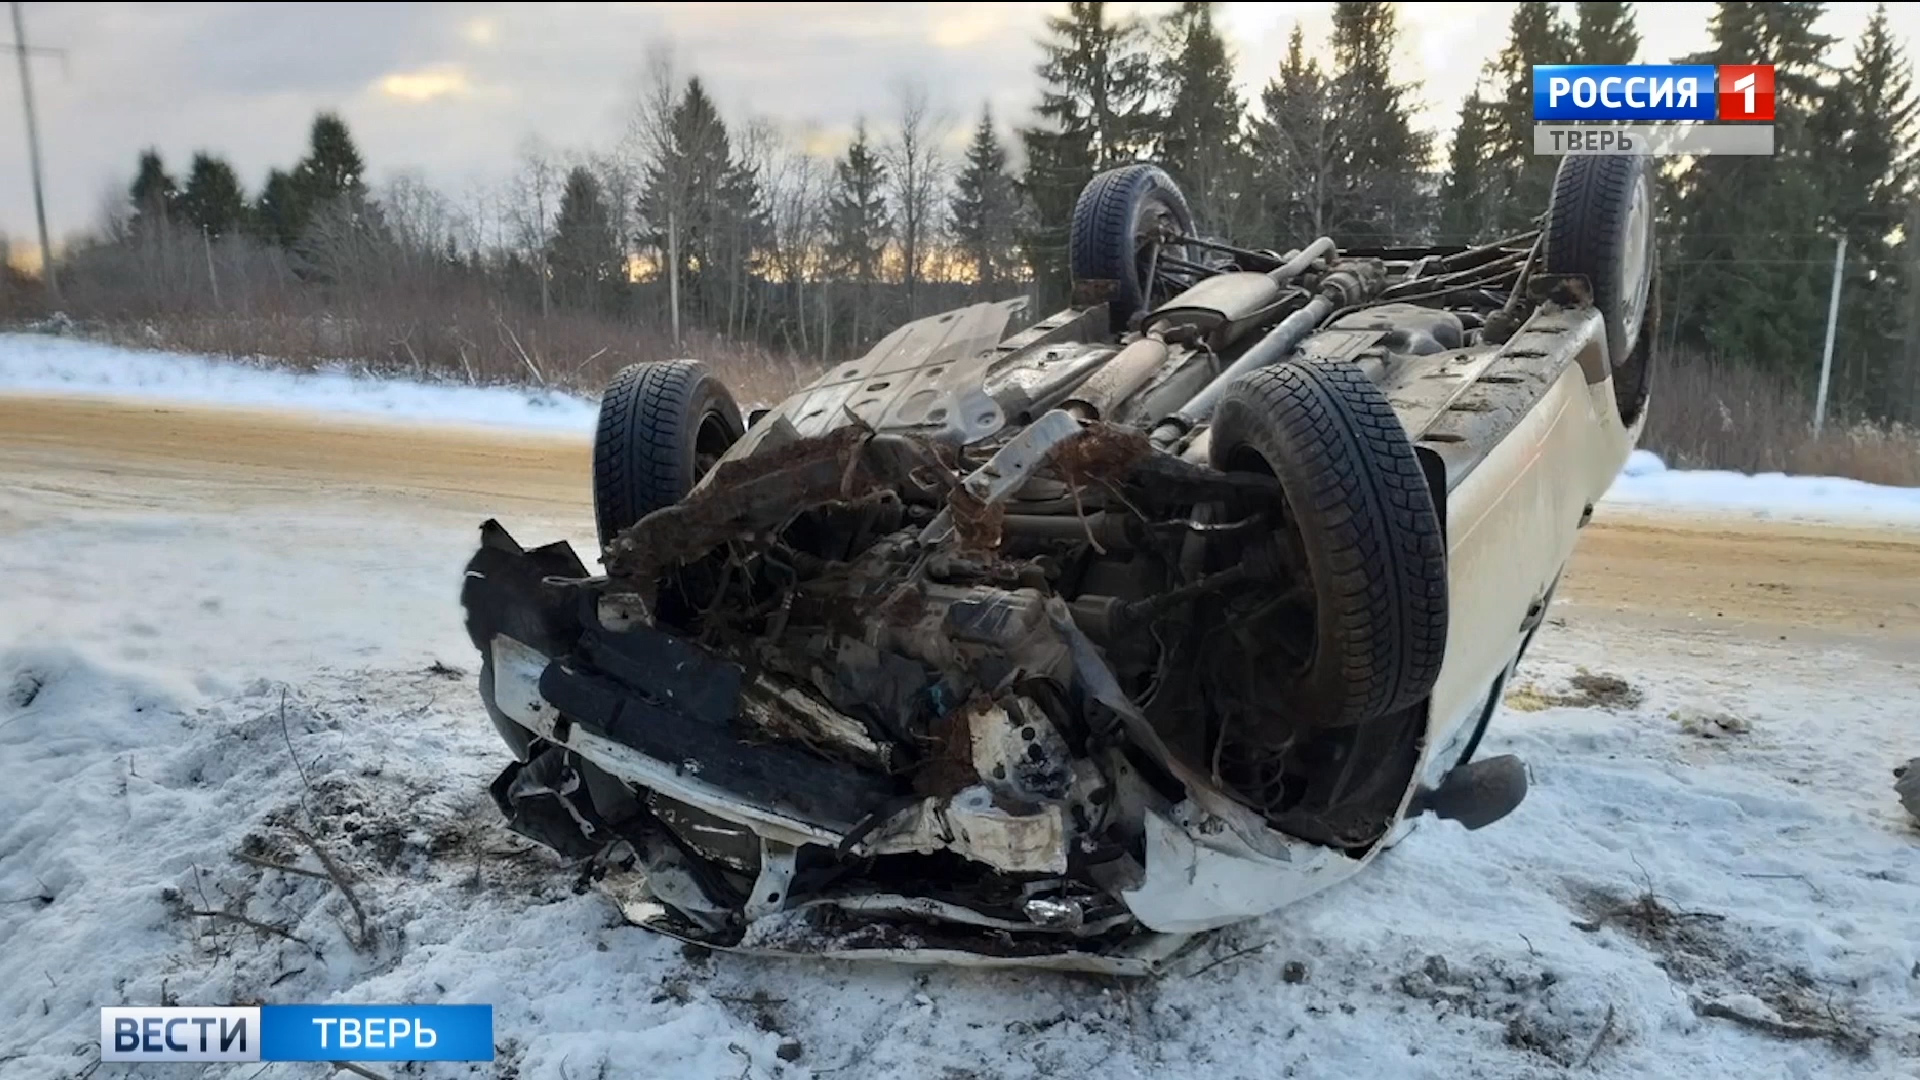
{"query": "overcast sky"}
pixel 451 90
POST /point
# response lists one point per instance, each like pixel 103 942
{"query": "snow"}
pixel 40 363
pixel 1647 482
pixel 182 679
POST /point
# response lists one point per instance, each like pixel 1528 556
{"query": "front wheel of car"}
pixel 1600 226
pixel 1364 626
pixel 663 424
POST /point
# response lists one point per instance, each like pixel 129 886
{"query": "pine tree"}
pixel 1520 179
pixel 1198 138
pixel 584 255
pixel 1296 148
pixel 1468 200
pixel 1748 261
pixel 1093 115
pixel 1871 184
pixel 984 207
pixel 213 201
pixel 1604 32
pixel 858 222
pixel 1380 190
pixel 155 196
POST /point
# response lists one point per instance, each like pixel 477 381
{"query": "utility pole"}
pixel 1833 319
pixel 22 51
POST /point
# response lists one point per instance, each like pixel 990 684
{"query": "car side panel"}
pixel 1511 526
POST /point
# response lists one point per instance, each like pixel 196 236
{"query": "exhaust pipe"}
pixel 1117 379
pixel 1349 283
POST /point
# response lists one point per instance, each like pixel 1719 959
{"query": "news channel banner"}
pixel 1653 109
pixel 342 1033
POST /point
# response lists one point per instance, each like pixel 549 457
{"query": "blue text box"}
pixel 376 1033
pixel 1624 92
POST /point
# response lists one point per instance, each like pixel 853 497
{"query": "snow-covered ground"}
pixel 43 363
pixel 1646 482
pixel 180 686
pixel 36 363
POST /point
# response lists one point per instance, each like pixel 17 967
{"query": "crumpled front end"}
pixel 815 708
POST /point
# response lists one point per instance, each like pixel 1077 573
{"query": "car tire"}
pixel 1600 226
pixel 662 425
pixel 1360 517
pixel 1116 212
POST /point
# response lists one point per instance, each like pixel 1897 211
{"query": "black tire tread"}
pixel 1374 544
pixel 1586 226
pixel 644 441
pixel 1100 238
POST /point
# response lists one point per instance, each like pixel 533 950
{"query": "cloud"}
pixel 482 31
pixel 446 80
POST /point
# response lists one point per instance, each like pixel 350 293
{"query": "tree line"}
pixel 697 223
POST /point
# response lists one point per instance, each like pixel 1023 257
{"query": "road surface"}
pixel 1729 575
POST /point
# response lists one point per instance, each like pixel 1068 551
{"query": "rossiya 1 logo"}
pixel 1658 93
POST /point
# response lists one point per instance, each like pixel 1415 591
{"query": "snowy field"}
pixel 34 363
pixel 45 364
pixel 1711 877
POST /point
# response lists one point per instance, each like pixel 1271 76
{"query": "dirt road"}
pixel 1726 575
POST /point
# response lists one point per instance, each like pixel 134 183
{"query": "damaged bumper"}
pixel 742 805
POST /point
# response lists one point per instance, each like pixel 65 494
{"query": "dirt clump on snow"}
pixel 1585 690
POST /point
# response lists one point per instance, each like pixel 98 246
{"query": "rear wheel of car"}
pixel 1600 226
pixel 663 424
pixel 1360 533
pixel 1121 224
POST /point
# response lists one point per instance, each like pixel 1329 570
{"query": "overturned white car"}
pixel 1058 646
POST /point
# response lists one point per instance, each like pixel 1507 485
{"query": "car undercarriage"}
pixel 1054 645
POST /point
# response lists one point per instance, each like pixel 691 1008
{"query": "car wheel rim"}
pixel 1635 278
pixel 1153 222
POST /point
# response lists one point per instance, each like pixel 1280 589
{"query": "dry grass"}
pixel 1714 415
pixel 386 310
pixel 568 351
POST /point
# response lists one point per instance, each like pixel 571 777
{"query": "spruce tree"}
pixel 1198 137
pixel 1296 149
pixel 858 224
pixel 1604 32
pixel 279 213
pixel 1521 179
pixel 155 195
pixel 1749 250
pixel 984 207
pixel 1871 185
pixel 332 168
pixel 699 181
pixel 584 254
pixel 1469 198
pixel 1093 115
pixel 213 201
pixel 1381 193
